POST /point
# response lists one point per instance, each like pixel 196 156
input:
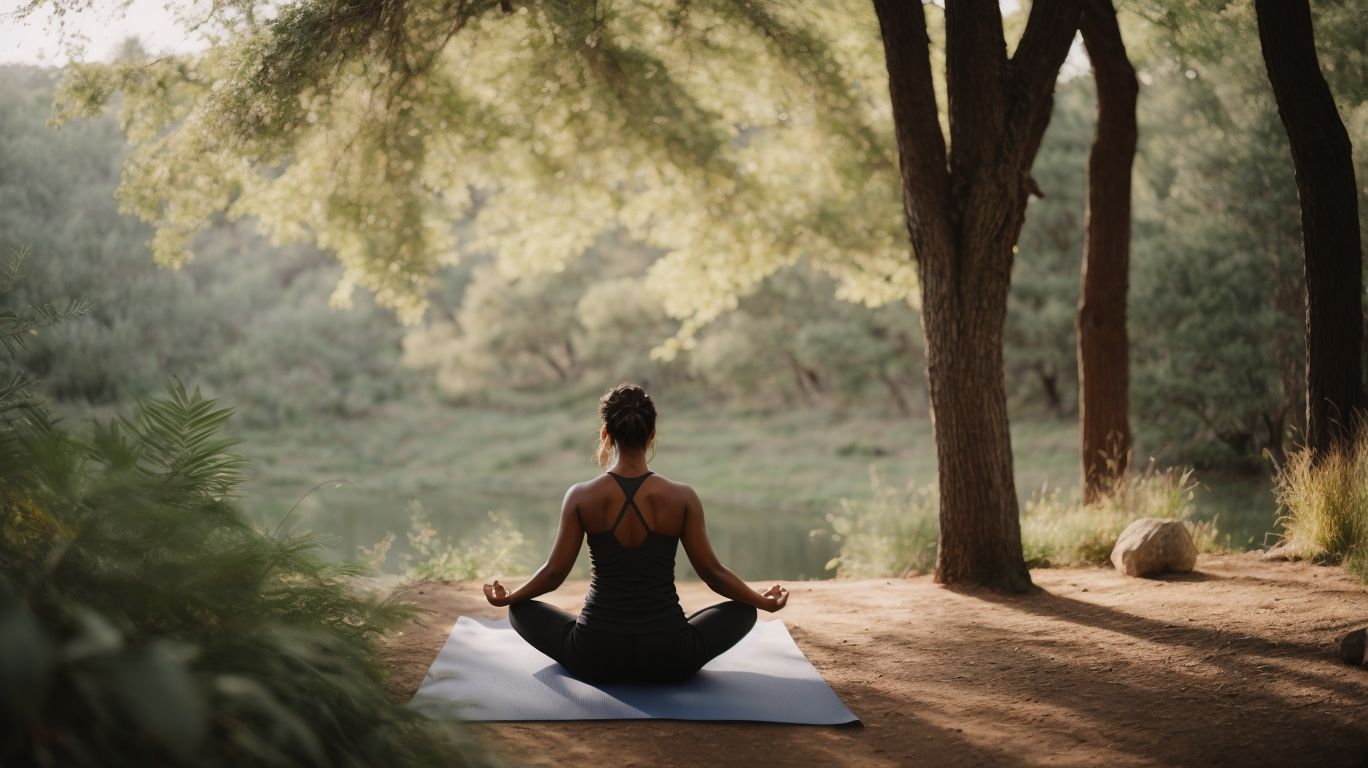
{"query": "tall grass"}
pixel 1325 503
pixel 893 531
pixel 1058 529
pixel 499 547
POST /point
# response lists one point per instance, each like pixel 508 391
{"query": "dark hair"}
pixel 629 415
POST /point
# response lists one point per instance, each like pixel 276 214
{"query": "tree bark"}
pixel 964 213
pixel 1333 255
pixel 1103 345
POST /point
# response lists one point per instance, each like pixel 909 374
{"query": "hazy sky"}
pixel 37 40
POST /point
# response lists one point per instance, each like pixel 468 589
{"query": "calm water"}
pixel 764 543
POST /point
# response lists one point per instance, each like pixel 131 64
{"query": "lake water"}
pixel 769 543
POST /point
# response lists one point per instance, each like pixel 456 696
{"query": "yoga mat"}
pixel 485 671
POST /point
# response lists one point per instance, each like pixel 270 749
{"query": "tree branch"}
pixel 916 123
pixel 976 81
pixel 1034 68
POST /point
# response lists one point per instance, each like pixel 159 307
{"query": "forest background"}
pixel 447 443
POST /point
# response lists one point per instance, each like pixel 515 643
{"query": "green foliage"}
pixel 894 531
pixel 1039 348
pixel 1325 502
pixel 891 533
pixel 499 548
pixel 144 620
pixel 1218 360
pixel 589 321
pixel 17 325
pixel 1217 280
pixel 737 138
pixel 250 321
pixel 792 341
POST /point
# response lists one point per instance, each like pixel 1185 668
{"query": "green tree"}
pixel 250 320
pixel 1217 284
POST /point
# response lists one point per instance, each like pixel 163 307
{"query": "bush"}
pixel 145 621
pixel 891 533
pixel 894 532
pixel 1325 503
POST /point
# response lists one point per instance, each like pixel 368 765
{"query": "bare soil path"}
pixel 1232 665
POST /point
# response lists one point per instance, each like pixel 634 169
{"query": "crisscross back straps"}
pixel 629 487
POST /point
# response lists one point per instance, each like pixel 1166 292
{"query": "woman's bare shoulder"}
pixel 674 489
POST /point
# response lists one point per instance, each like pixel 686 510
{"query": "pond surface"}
pixel 758 543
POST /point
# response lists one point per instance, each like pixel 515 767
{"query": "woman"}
pixel 632 627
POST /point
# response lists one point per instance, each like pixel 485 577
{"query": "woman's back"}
pixel 633 526
pixel 631 626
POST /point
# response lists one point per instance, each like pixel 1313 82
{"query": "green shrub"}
pixel 893 532
pixel 145 621
pixel 1325 503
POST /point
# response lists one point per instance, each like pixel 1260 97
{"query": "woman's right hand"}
pixel 496 594
pixel 774 598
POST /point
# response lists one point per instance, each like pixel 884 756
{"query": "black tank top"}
pixel 632 589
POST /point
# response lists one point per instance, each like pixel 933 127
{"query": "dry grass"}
pixel 893 531
pixel 1325 504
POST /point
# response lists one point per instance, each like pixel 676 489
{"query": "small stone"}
pixel 1352 646
pixel 1282 552
pixel 1150 546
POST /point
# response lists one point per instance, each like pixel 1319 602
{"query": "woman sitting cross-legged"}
pixel 632 627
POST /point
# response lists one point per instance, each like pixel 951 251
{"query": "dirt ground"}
pixel 1234 664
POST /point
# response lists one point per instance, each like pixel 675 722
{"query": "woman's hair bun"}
pixel 629 414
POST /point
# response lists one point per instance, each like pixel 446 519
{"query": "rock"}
pixel 1352 646
pixel 1282 552
pixel 1151 546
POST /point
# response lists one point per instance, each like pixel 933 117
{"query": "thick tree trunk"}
pixel 1333 258
pixel 980 530
pixel 1103 345
pixel 964 213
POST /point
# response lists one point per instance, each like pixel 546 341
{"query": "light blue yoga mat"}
pixel 485 671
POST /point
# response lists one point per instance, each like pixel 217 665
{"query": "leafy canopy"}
pixel 738 137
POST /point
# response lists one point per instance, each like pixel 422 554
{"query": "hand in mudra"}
pixel 776 597
pixel 496 594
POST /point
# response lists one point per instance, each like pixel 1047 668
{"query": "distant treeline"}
pixel 1214 321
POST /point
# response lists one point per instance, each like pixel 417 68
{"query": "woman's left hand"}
pixel 496 594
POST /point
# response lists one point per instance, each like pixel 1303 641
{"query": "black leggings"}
pixel 596 656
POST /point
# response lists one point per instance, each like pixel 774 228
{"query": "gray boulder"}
pixel 1151 546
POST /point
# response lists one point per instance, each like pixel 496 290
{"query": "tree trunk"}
pixel 980 531
pixel 1333 256
pixel 964 213
pixel 1103 346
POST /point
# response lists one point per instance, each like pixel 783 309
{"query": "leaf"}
pixel 24 660
pixel 159 695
